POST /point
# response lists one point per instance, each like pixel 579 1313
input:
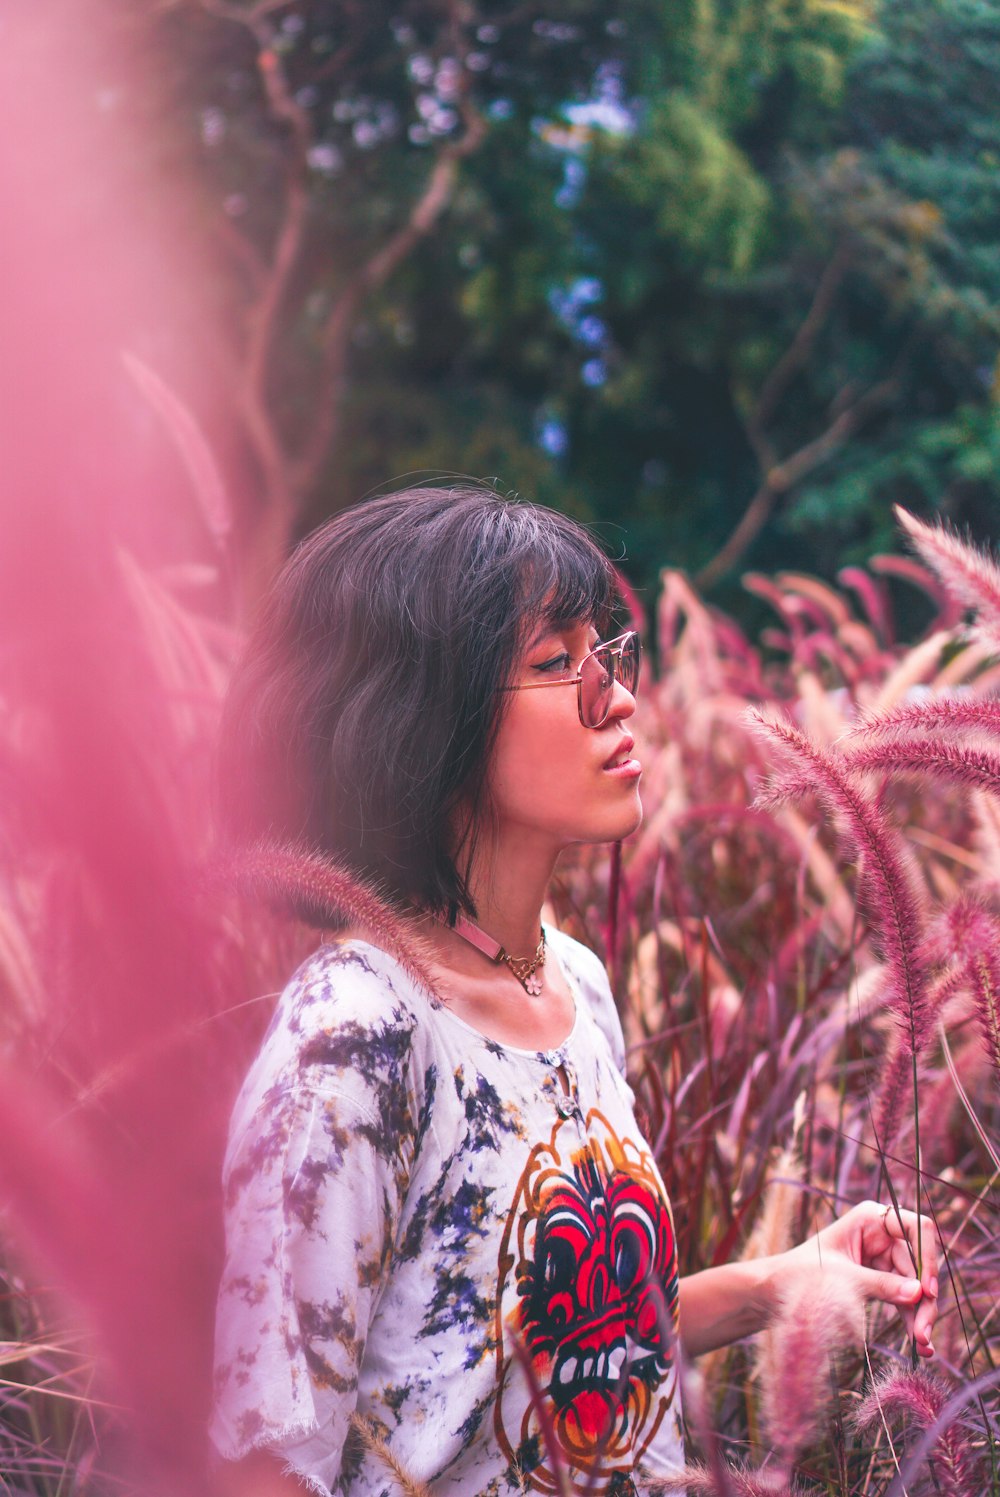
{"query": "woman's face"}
pixel 553 780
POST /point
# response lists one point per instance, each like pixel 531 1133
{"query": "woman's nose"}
pixel 622 701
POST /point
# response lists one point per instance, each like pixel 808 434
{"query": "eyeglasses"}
pixel 616 660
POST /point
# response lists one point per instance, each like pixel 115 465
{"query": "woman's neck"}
pixel 509 889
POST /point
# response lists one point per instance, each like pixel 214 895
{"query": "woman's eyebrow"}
pixel 544 632
pixel 557 634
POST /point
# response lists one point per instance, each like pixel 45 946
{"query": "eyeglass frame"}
pixel 615 647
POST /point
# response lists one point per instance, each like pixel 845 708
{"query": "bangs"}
pixel 566 579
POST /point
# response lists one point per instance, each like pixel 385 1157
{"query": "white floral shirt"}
pixel 426 1227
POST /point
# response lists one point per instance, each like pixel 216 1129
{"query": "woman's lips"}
pixel 621 762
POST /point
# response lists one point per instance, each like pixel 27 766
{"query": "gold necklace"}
pixel 524 968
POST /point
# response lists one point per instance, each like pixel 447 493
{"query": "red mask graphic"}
pixel 595 1270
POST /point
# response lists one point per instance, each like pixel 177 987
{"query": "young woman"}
pixel 451 1257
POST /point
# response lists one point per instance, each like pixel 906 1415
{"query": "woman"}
pixel 450 1254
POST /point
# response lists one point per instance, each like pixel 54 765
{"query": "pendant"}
pixel 533 985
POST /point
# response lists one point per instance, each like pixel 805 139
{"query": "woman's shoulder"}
pixel 348 1011
pixel 347 1025
pixel 352 978
pixel 589 974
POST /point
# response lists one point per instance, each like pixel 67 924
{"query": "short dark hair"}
pixel 367 705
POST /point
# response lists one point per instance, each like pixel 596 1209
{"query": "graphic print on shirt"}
pixel 588 1286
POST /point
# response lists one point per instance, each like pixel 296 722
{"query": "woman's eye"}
pixel 556 664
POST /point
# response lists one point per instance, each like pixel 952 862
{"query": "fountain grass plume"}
pixel 815 1322
pixel 888 884
pixel 744 1481
pixel 958 763
pixel 985 972
pixel 969 574
pixel 963 926
pixel 921 1396
pixel 896 1077
pixel 302 883
pixel 967 936
pixel 941 714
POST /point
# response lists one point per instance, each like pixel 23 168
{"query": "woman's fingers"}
pixel 917 1238
pixel 892 1288
pixel 917 1309
pixel 896 1254
pixel 900 1260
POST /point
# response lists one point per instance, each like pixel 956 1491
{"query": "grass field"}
pixel 804 938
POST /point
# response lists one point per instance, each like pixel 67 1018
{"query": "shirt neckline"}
pixel 549 1055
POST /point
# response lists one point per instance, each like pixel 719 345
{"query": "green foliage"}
pixel 925 143
pixel 632 251
pixel 702 193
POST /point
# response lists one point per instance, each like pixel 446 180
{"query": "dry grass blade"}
pixel 374 1442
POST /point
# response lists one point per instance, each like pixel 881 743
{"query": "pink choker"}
pixel 524 968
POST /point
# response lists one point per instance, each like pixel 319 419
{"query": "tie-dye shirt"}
pixel 466 1244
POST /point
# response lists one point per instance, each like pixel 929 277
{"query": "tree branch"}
pixel 335 337
pixel 345 53
pixel 795 356
pixel 240 249
pixel 288 476
pixel 271 279
pixel 288 244
pixel 847 414
pixel 780 479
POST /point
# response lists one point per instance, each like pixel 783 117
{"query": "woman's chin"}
pixel 623 824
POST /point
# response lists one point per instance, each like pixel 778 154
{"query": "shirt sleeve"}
pixel 314 1188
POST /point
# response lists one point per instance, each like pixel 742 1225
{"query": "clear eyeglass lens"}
pixel 598 674
pixel 596 686
pixel 628 672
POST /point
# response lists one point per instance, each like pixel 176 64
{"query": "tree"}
pixel 333 137
pixel 723 276
pixel 800 283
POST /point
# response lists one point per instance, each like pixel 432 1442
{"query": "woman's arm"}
pixel 722 1305
pixel 878 1250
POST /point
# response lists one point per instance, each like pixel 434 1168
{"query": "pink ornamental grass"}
pixel 740 1481
pixel 907 570
pixel 966 936
pixel 305 885
pixel 920 1396
pixel 889 887
pixel 969 574
pixel 941 714
pixel 958 763
pixel 815 1323
pixel 874 598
